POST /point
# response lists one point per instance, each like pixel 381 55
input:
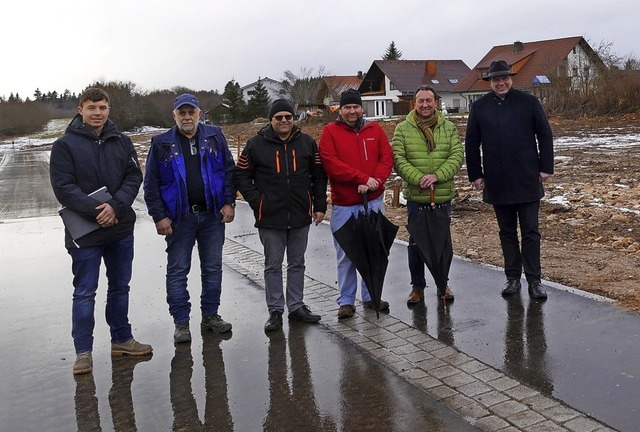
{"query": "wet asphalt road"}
pixel 303 378
pixel 580 350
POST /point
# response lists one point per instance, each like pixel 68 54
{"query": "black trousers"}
pixel 516 256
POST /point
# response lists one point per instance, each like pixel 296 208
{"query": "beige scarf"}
pixel 426 127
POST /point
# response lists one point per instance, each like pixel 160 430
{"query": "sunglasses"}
pixel 287 117
pixel 194 147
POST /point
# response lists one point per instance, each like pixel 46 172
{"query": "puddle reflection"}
pixel 217 415
pixel 525 345
pixel 120 399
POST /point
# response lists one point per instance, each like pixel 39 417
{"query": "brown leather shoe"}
pixel 346 311
pixel 448 294
pixel 415 296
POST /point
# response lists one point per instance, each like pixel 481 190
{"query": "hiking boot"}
pixel 130 347
pixel 511 287
pixel 346 311
pixel 384 305
pixel 215 323
pixel 274 323
pixel 537 291
pixel 83 363
pixel 182 333
pixel 416 296
pixel 303 313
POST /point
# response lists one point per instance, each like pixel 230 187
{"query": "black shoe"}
pixel 511 287
pixel 537 291
pixel 304 314
pixel 274 323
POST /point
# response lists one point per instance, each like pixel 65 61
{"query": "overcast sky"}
pixel 202 44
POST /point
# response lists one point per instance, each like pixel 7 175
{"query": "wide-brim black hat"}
pixel 498 68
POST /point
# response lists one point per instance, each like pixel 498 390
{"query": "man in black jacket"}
pixel 94 154
pixel 517 157
pixel 280 175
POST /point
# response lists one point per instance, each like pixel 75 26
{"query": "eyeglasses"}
pixel 194 147
pixel 287 117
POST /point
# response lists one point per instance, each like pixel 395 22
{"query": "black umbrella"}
pixel 366 240
pixel 432 234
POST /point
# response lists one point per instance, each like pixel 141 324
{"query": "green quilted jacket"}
pixel 412 160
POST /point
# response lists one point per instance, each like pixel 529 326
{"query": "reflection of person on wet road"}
pixel 292 407
pixel 120 398
pixel 93 154
pixel 357 157
pixel 525 345
pixel 513 132
pixel 427 154
pixel 217 415
pixel 280 175
pixel 189 192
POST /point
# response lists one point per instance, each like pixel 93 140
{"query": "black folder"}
pixel 76 224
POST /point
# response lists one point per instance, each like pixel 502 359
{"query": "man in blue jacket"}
pixel 93 154
pixel 189 191
pixel 512 129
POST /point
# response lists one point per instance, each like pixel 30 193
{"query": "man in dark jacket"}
pixel 280 175
pixel 189 192
pixel 93 154
pixel 517 157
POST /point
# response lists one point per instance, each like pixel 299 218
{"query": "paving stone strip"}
pixel 482 395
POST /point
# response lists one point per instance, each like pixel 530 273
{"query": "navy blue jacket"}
pixel 517 145
pixel 165 178
pixel 81 162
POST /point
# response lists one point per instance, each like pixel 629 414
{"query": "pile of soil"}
pixel 590 239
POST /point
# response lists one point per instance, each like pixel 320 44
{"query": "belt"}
pixel 197 208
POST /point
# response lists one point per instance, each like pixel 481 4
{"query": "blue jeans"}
pixel 416 264
pixel 347 276
pixel 118 260
pixel 275 242
pixel 208 230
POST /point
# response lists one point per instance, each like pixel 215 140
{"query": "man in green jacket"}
pixel 427 153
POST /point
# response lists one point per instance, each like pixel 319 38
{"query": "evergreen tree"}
pixel 37 95
pixel 258 105
pixel 232 98
pixel 392 52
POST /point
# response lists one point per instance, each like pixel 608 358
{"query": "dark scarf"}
pixel 426 126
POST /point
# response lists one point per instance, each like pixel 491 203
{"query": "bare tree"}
pixel 302 89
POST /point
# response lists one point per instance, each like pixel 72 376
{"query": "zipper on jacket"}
pixel 364 146
pixel 278 161
pixel 286 166
pixel 295 163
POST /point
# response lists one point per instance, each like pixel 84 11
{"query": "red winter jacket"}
pixel 349 158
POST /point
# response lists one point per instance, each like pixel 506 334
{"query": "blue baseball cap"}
pixel 186 99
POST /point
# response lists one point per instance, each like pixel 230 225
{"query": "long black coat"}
pixel 517 145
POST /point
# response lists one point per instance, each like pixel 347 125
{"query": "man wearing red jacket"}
pixel 357 157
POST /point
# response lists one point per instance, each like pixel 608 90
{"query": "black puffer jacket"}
pixel 81 163
pixel 283 182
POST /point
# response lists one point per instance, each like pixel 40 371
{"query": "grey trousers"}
pixel 275 242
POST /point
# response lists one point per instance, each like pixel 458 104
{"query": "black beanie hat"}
pixel 280 105
pixel 351 96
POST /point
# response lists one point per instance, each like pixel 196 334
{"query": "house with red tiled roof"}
pixel 332 87
pixel 541 66
pixel 388 86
